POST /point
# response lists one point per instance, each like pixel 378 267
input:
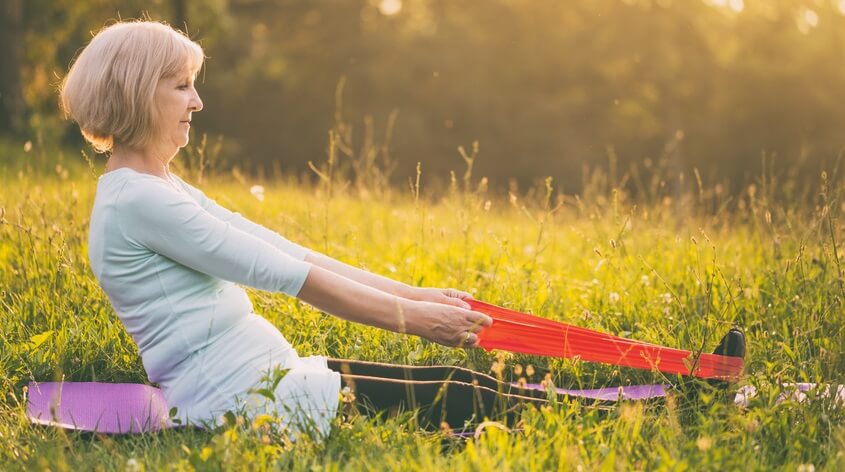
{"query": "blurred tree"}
pixel 180 14
pixel 12 106
pixel 546 86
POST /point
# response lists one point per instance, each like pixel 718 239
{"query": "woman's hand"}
pixel 446 296
pixel 445 324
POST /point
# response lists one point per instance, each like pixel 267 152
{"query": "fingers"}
pixel 469 340
pixel 481 320
pixel 455 293
pixel 457 302
pixel 475 322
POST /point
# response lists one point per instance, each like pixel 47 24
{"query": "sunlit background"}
pixel 546 87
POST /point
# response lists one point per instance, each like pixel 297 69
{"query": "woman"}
pixel 168 258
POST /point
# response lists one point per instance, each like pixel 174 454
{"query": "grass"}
pixel 676 267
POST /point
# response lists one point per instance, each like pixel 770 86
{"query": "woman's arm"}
pixel 176 226
pixel 354 301
pixel 244 224
pixel 376 281
pixel 436 295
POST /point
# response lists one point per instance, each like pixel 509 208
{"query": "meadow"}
pixel 678 262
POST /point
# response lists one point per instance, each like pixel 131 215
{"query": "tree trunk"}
pixel 180 14
pixel 12 105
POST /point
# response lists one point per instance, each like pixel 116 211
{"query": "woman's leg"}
pixel 428 373
pixel 434 390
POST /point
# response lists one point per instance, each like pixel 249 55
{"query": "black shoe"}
pixel 733 344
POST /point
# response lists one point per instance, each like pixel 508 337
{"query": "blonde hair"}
pixel 110 88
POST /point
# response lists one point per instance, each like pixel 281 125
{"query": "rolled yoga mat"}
pixel 112 408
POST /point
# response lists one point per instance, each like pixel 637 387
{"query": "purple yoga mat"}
pixel 136 408
pixel 102 407
pixel 630 392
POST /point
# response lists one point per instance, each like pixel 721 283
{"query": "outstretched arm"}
pixel 348 299
pixel 437 295
pixel 244 224
pixel 176 226
pixel 394 287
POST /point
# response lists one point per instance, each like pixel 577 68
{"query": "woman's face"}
pixel 176 98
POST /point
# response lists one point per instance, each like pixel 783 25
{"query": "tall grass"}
pixel 673 260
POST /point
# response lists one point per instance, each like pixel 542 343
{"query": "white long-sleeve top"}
pixel 169 259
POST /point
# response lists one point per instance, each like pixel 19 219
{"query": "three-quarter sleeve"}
pixel 173 224
pixel 239 221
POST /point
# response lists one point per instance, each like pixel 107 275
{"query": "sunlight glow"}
pixel 841 6
pixel 736 5
pixel 389 7
pixel 811 17
pixel 807 20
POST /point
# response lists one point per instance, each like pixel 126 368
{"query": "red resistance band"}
pixel 528 334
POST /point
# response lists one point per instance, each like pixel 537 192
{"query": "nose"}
pixel 196 102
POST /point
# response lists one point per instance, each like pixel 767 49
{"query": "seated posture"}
pixel 169 259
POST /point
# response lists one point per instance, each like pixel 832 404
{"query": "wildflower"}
pixel 529 370
pixel 497 368
pixel 614 298
pixel 547 382
pixel 522 382
pixel 645 280
pixel 445 428
pixel 347 394
pixel 704 443
pixel 806 468
pixel 666 297
pixel 132 464
pixel 27 146
pixel 257 191
pixel 517 369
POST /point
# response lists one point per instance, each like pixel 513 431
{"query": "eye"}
pixel 183 87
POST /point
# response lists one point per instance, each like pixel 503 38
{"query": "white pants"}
pixel 218 378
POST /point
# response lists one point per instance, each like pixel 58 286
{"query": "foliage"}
pixel 547 86
pixel 676 269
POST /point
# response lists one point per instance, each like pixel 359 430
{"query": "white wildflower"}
pixel 132 465
pixel 614 298
pixel 257 191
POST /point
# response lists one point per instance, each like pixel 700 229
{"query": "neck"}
pixel 147 160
